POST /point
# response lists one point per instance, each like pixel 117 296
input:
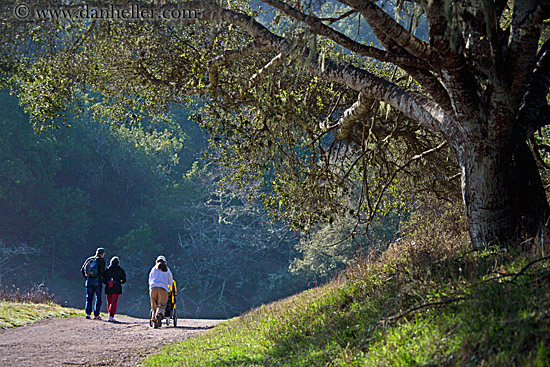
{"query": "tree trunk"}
pixel 529 200
pixel 503 194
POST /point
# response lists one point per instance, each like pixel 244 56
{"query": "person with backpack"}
pixel 92 270
pixel 113 278
pixel 160 280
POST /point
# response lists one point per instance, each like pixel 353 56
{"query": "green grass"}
pixel 21 313
pixel 422 304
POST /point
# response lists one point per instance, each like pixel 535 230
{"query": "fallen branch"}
pixel 528 266
pixel 426 305
pixel 220 347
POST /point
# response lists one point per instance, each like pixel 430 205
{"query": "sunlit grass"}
pixel 20 313
pixel 426 302
pixel 363 320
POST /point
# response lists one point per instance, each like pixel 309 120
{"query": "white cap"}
pixel 161 258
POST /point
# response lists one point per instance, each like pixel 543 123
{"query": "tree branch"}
pixel 229 56
pixel 534 111
pixel 522 271
pixel 426 305
pixel 318 27
pixel 424 77
pixel 375 16
pixel 270 66
pixel 357 111
pixel 433 86
pixel 414 105
pixel 522 46
pixel 453 69
pixel 343 16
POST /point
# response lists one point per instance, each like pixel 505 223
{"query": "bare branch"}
pixel 417 157
pixel 343 16
pixel 426 305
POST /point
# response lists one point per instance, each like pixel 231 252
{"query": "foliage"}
pixel 306 106
pixel 38 294
pixel 139 191
pixel 331 248
pixel 427 301
pixel 9 254
pixel 541 147
pixel 312 171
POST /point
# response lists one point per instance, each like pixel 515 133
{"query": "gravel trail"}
pixel 75 341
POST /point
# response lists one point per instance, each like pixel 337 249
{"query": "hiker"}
pixel 92 270
pixel 113 279
pixel 160 280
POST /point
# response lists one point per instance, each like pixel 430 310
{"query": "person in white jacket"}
pixel 160 280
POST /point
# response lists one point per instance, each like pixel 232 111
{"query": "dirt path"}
pixel 76 341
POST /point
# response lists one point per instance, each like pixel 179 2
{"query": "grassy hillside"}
pixel 427 301
pixel 23 308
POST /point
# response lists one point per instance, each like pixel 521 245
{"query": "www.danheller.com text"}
pixel 22 11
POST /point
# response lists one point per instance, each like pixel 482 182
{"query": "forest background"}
pixel 144 189
pixel 141 191
pixel 153 188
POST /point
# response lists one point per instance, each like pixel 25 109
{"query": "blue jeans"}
pixel 93 286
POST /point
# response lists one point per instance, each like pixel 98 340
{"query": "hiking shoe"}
pixel 88 317
pixel 97 317
pixel 156 324
pixel 111 319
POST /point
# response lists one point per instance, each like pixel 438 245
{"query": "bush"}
pixel 37 294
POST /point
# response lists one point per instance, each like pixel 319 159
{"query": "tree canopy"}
pixel 328 119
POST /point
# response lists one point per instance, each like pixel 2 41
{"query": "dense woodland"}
pixel 340 118
pixel 141 191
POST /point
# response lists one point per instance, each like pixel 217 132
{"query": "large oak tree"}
pixel 480 83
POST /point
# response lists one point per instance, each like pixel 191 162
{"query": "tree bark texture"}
pixel 503 193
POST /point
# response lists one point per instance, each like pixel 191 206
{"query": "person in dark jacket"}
pixel 113 279
pixel 93 282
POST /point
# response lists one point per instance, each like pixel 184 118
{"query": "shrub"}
pixel 37 294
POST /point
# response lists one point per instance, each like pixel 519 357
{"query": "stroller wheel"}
pixel 175 318
pixel 150 318
pixel 167 321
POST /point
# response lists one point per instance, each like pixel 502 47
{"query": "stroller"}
pixel 170 312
